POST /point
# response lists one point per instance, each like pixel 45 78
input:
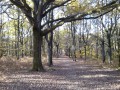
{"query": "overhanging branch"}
pixel 56 6
pixel 48 30
pixel 24 8
pixel 102 10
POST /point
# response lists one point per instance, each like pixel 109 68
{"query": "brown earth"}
pixel 64 75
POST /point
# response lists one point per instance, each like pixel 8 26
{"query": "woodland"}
pixel 57 36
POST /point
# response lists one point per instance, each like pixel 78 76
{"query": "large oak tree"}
pixel 38 12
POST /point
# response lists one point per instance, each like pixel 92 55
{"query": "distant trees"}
pixel 98 38
pixel 73 36
pixel 14 37
pixel 56 42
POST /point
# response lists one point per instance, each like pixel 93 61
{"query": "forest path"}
pixel 64 75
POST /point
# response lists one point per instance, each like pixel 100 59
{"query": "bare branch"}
pixel 24 8
pixel 79 16
pixel 56 6
pixel 48 30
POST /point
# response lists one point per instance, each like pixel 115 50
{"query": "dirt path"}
pixel 65 75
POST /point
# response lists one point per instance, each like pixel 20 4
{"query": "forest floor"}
pixel 64 75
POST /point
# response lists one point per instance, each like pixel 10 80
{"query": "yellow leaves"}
pixel 85 5
pixel 119 7
pixel 82 7
pixel 89 12
pixel 73 6
pixel 79 6
pixel 58 1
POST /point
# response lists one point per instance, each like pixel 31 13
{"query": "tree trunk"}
pixel 103 52
pixel 119 53
pixel 50 40
pixel 73 31
pixel 31 44
pixel 18 35
pixel 97 49
pixel 91 50
pixel 80 41
pixel 109 47
pixel 50 48
pixel 85 51
pixel 50 63
pixel 80 51
pixel 57 46
pixel 22 43
pixel 119 58
pixel 37 42
pixel 69 52
pixel 118 43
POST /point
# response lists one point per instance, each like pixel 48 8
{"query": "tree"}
pixel 40 9
pixel 73 48
pixel 49 39
pixel 57 42
pixel 85 37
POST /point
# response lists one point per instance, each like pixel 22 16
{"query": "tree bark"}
pixel 73 31
pixel 119 59
pixel 118 43
pixel 50 63
pixel 69 52
pixel 109 46
pixel 103 52
pixel 97 55
pixel 37 41
pixel 80 41
pixel 57 46
pixel 50 48
pixel 50 52
pixel 85 51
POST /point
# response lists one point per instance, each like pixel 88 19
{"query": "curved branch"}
pixel 79 16
pixel 56 6
pixel 24 8
pixel 48 30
